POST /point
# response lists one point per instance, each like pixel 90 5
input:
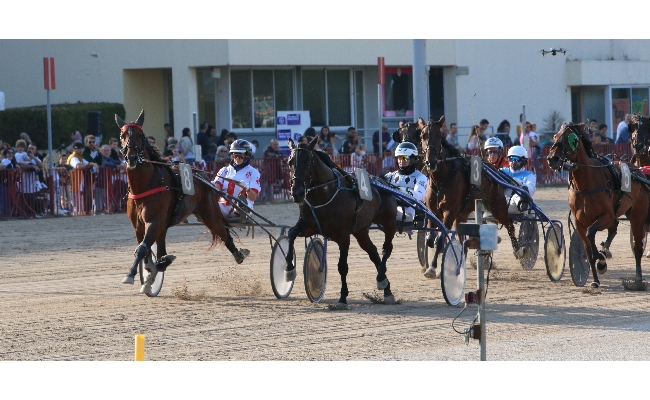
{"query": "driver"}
pixel 240 170
pixel 494 151
pixel 407 178
pixel 517 157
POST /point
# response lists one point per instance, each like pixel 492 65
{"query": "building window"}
pixel 628 101
pixel 327 96
pixel 257 94
pixel 398 92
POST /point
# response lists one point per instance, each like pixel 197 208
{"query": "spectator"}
pixel 484 126
pixel 105 178
pixel 222 154
pixel 601 135
pixel 32 152
pixel 622 133
pixel 213 137
pixel 167 155
pixel 8 163
pixel 352 139
pixel 305 139
pixel 186 146
pixel 309 132
pixel 8 160
pixel 385 139
pixel 452 136
pixel 115 151
pixel 27 161
pixel 473 141
pixel 230 138
pixel 24 136
pixel 212 154
pixel 593 127
pixel 503 133
pixel 61 179
pixel 82 190
pixel 326 140
pixel 76 137
pixel 222 138
pixel 358 159
pixel 177 156
pixel 388 164
pixel 90 152
pixel 271 170
pixel 203 139
pixel 169 133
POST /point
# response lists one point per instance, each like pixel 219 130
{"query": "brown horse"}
pixel 595 196
pixel 156 202
pixel 330 207
pixel 450 196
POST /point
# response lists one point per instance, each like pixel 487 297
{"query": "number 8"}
pixel 186 178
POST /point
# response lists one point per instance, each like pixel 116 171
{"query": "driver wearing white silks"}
pixel 517 157
pixel 407 178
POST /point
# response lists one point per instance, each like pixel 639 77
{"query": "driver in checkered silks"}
pixel 239 170
pixel 407 178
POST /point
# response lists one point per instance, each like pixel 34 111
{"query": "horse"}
pixel 639 129
pixel 329 206
pixel 156 202
pixel 450 196
pixel 596 199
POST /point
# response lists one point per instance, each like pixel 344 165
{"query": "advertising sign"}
pixel 290 125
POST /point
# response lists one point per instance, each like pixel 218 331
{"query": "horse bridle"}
pixel 426 150
pixel 131 145
pixel 566 154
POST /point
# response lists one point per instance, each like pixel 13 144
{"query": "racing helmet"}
pixel 241 146
pixel 518 151
pixel 406 149
pixel 493 142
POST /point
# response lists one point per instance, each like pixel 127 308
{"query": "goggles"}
pixel 493 151
pixel 403 158
pixel 237 155
pixel 514 158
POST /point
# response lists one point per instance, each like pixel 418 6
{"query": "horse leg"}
pixel 604 246
pixel 239 254
pixel 344 247
pixel 638 232
pixel 363 238
pixel 590 248
pixel 294 232
pixel 162 259
pixel 215 223
pixel 604 221
pixel 153 231
pixel 448 220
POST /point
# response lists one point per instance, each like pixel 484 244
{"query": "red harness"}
pixel 147 193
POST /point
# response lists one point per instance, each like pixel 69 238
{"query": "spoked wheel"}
pixel 645 239
pixel 142 271
pixel 529 241
pixel 578 261
pixel 452 278
pixel 423 250
pixel 554 252
pixel 315 270
pixel 281 288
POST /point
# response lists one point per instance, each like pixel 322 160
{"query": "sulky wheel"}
pixel 315 270
pixel 142 270
pixel 452 278
pixel 423 250
pixel 554 252
pixel 529 241
pixel 281 288
pixel 578 261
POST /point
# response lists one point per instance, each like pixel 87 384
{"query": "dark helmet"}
pixel 241 146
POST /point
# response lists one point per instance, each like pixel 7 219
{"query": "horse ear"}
pixel 119 121
pixel 441 120
pixel 396 137
pixel 140 119
pixel 313 143
pixel 291 144
pixel 581 127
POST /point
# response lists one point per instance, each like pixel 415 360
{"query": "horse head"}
pixel 134 142
pixel 640 131
pixel 432 143
pixel 566 145
pixel 301 163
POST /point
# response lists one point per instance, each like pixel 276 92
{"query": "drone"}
pixel 553 51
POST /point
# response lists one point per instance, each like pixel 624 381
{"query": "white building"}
pixel 239 84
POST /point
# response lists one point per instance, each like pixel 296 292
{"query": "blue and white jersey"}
pixel 524 178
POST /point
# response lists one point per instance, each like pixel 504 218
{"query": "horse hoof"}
pixel 342 306
pixel 647 254
pixel 128 280
pixel 595 285
pixel 389 299
pixel 520 253
pixel 290 276
pixel 430 240
pixel 601 267
pixel 606 253
pixel 430 273
pixel 383 284
pixel 240 255
pixel 146 288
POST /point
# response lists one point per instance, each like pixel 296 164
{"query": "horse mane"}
pixel 451 149
pixel 325 158
pixel 152 152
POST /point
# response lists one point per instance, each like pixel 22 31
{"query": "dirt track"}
pixel 62 300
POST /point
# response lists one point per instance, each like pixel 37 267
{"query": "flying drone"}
pixel 553 51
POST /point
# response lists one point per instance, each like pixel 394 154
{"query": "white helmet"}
pixel 518 151
pixel 493 142
pixel 406 149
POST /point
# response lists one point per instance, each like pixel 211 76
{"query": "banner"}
pixel 290 125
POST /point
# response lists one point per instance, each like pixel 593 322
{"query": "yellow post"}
pixel 139 347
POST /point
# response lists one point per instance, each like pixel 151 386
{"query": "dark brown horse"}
pixel 156 202
pixel 640 131
pixel 595 196
pixel 449 193
pixel 329 206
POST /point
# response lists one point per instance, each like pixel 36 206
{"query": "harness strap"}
pixel 148 192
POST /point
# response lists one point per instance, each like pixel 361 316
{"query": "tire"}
pixel 529 239
pixel 160 276
pixel 554 252
pixel 453 274
pixel 315 270
pixel 578 262
pixel 281 288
